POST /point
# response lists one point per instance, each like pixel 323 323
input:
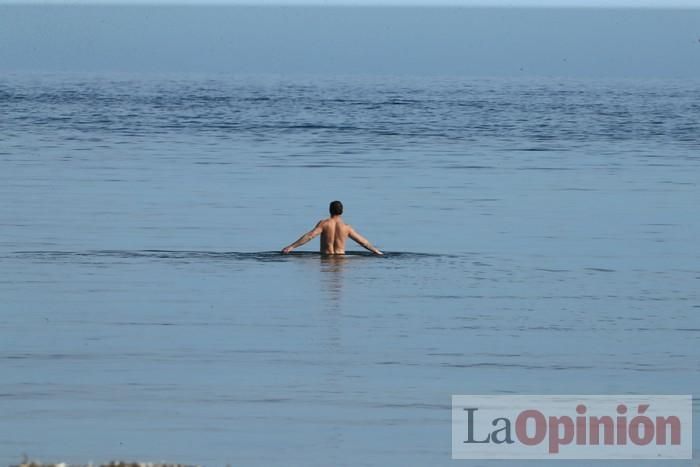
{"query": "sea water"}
pixel 541 238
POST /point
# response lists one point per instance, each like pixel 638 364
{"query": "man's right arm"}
pixel 363 242
pixel 316 231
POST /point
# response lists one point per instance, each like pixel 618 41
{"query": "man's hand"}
pixel 374 250
pixel 286 250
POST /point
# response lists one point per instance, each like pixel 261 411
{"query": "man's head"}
pixel 336 208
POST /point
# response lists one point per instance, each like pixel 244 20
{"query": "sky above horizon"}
pixel 587 43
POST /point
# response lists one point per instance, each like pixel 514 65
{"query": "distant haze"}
pixel 570 42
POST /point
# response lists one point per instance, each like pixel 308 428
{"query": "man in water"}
pixel 333 233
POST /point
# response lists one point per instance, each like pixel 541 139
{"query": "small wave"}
pixel 537 149
pixel 599 269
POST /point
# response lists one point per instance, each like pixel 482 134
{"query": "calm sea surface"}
pixel 542 238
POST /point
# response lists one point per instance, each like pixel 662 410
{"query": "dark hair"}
pixel 336 208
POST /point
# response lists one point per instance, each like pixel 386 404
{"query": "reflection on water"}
pixel 332 279
pixel 335 375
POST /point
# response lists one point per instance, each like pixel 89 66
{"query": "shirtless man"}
pixel 333 233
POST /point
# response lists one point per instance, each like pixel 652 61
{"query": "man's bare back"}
pixel 333 231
